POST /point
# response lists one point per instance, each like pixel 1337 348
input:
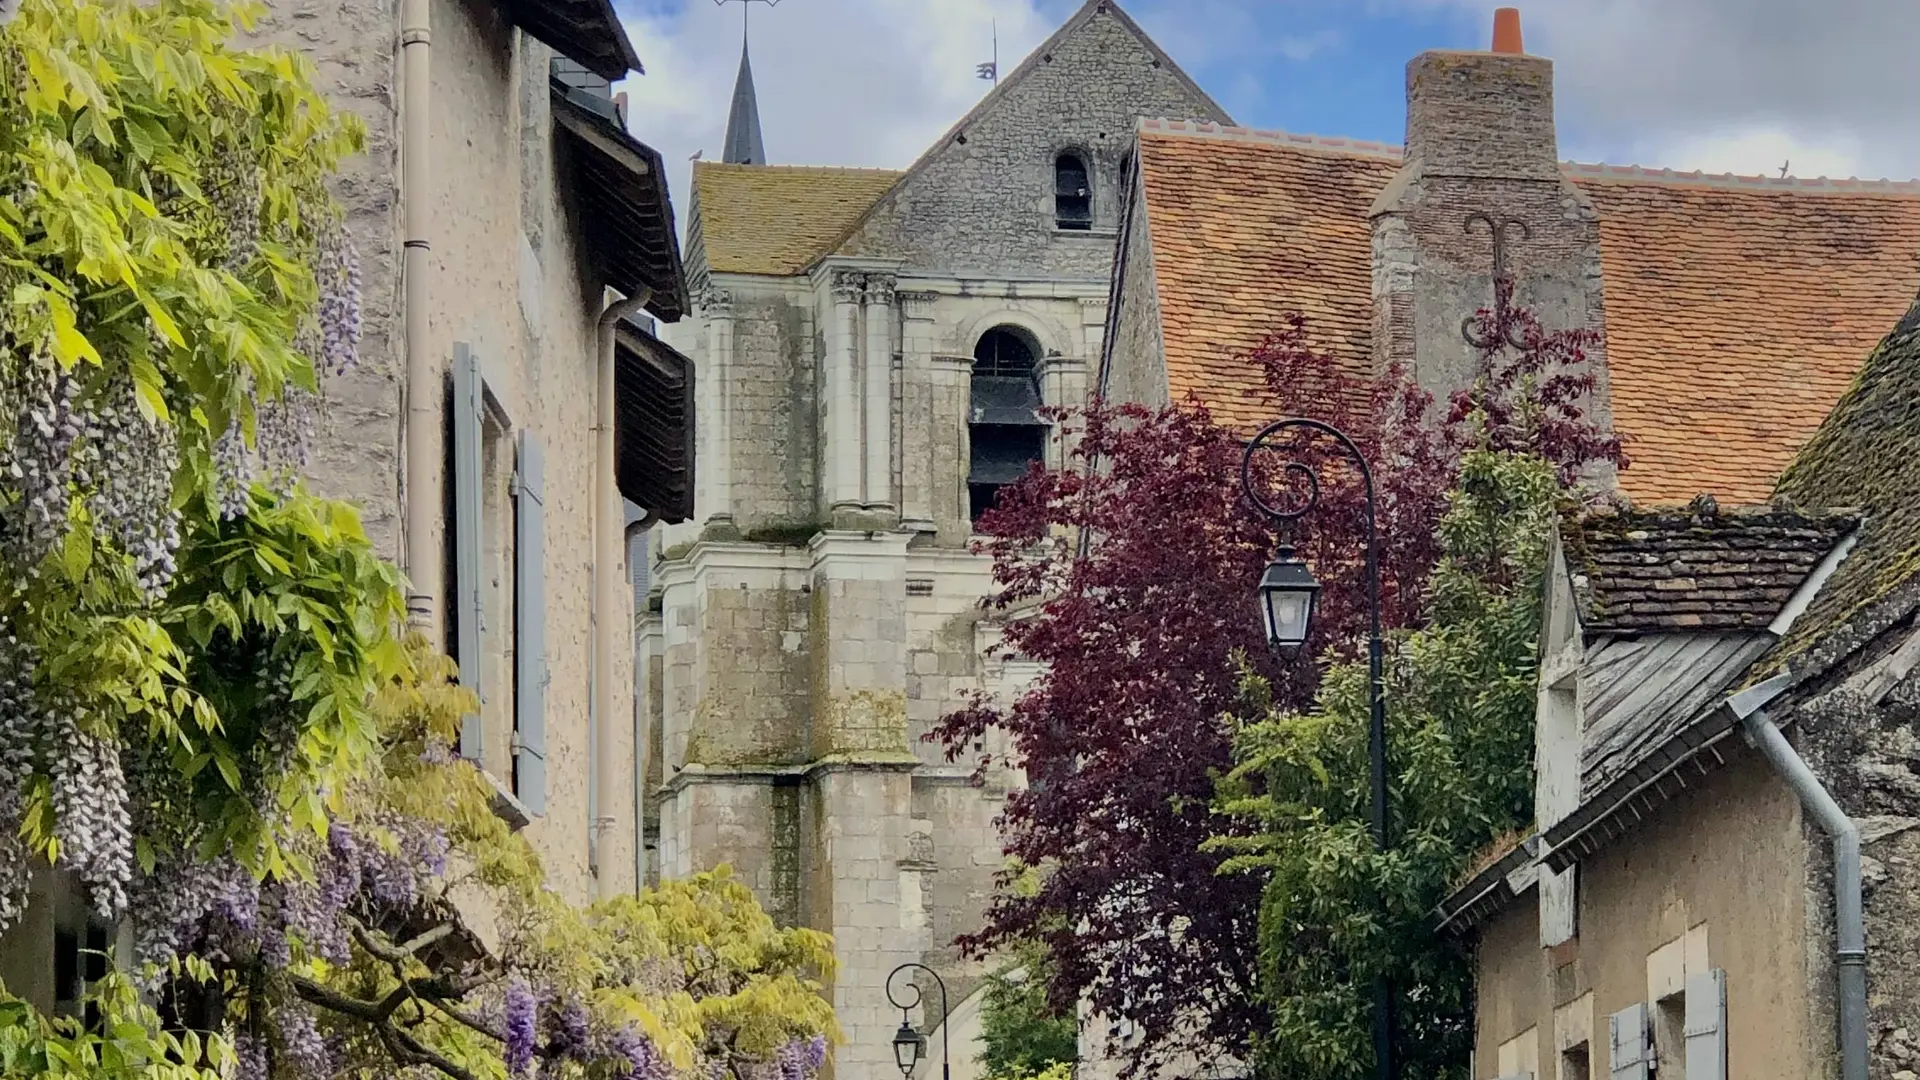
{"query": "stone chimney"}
pixel 1481 182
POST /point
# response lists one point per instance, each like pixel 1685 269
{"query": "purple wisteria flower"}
pixel 519 1010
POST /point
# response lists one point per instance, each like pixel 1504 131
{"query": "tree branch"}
pixel 401 1046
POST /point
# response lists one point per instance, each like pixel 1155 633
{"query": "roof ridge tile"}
pixel 1598 170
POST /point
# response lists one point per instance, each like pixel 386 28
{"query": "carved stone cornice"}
pixel 847 286
pixel 714 303
pixel 917 305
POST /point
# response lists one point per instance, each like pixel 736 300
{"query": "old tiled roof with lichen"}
pixel 1697 568
pixel 777 219
pixel 1737 316
pixel 1866 454
pixel 1736 308
pixel 1244 229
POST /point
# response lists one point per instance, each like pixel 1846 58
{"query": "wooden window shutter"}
pixel 1707 1025
pixel 1628 1038
pixel 530 627
pixel 468 406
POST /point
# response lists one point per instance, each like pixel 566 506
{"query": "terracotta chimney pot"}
pixel 1506 31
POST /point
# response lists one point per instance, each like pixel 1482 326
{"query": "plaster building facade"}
pixel 489 250
pixel 1721 878
pixel 871 349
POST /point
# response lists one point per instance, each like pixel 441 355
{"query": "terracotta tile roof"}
pixel 1736 317
pixel 1245 226
pixel 1694 569
pixel 1738 306
pixel 777 219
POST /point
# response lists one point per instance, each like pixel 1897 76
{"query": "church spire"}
pixel 743 123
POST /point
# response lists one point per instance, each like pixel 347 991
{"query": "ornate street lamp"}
pixel 1288 595
pixel 909 1046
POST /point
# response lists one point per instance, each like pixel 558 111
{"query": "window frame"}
pixel 1062 221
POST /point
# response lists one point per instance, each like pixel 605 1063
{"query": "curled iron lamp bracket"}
pixel 1300 470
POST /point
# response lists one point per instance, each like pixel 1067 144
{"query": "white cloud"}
pixel 1832 86
pixel 840 82
pixel 1750 151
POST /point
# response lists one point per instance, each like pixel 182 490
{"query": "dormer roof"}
pixel 1694 569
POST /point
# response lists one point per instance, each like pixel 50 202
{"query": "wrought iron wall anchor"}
pixel 1505 331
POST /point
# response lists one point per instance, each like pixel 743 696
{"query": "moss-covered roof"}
pixel 777 219
pixel 1698 568
pixel 1865 455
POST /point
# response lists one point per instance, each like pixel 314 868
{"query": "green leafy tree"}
pixel 1336 912
pixel 207 715
pixel 1021 1034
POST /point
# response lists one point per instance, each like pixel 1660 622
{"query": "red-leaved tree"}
pixel 1130 577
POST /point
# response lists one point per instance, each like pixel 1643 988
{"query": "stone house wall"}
pixel 510 283
pixel 1697 886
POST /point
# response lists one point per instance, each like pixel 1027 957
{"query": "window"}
pixel 499 577
pixel 1005 431
pixel 1670 1037
pixel 1072 192
pixel 1574 1063
pixel 58 947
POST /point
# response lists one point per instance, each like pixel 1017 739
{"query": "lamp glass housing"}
pixel 908 1047
pixel 1288 596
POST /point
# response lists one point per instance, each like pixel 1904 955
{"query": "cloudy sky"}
pixel 1831 86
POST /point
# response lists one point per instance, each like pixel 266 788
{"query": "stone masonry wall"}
pixel 1482 156
pixel 859 670
pixel 1135 364
pixel 508 283
pixel 755 354
pixel 354 46
pixel 982 201
pixel 1861 735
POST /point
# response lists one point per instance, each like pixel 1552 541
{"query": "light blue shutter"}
pixel 467 405
pixel 530 627
pixel 1707 1025
pixel 1628 1031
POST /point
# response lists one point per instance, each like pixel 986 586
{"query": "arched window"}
pixel 1003 426
pixel 1003 351
pixel 1072 192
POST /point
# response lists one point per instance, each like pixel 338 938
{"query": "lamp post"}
pixel 909 1046
pixel 1288 596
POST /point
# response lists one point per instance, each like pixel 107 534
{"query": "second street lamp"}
pixel 909 1046
pixel 1288 596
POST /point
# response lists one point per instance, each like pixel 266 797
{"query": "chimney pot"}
pixel 1506 31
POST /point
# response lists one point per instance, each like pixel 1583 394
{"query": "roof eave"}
pixel 620 186
pixel 654 424
pixel 1656 779
pixel 587 31
pixel 1489 892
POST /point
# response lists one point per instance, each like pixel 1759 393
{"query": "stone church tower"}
pixel 871 348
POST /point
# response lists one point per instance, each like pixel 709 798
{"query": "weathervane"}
pixel 745 5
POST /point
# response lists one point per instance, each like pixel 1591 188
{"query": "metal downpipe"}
pixel 610 587
pixel 1849 917
pixel 422 479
